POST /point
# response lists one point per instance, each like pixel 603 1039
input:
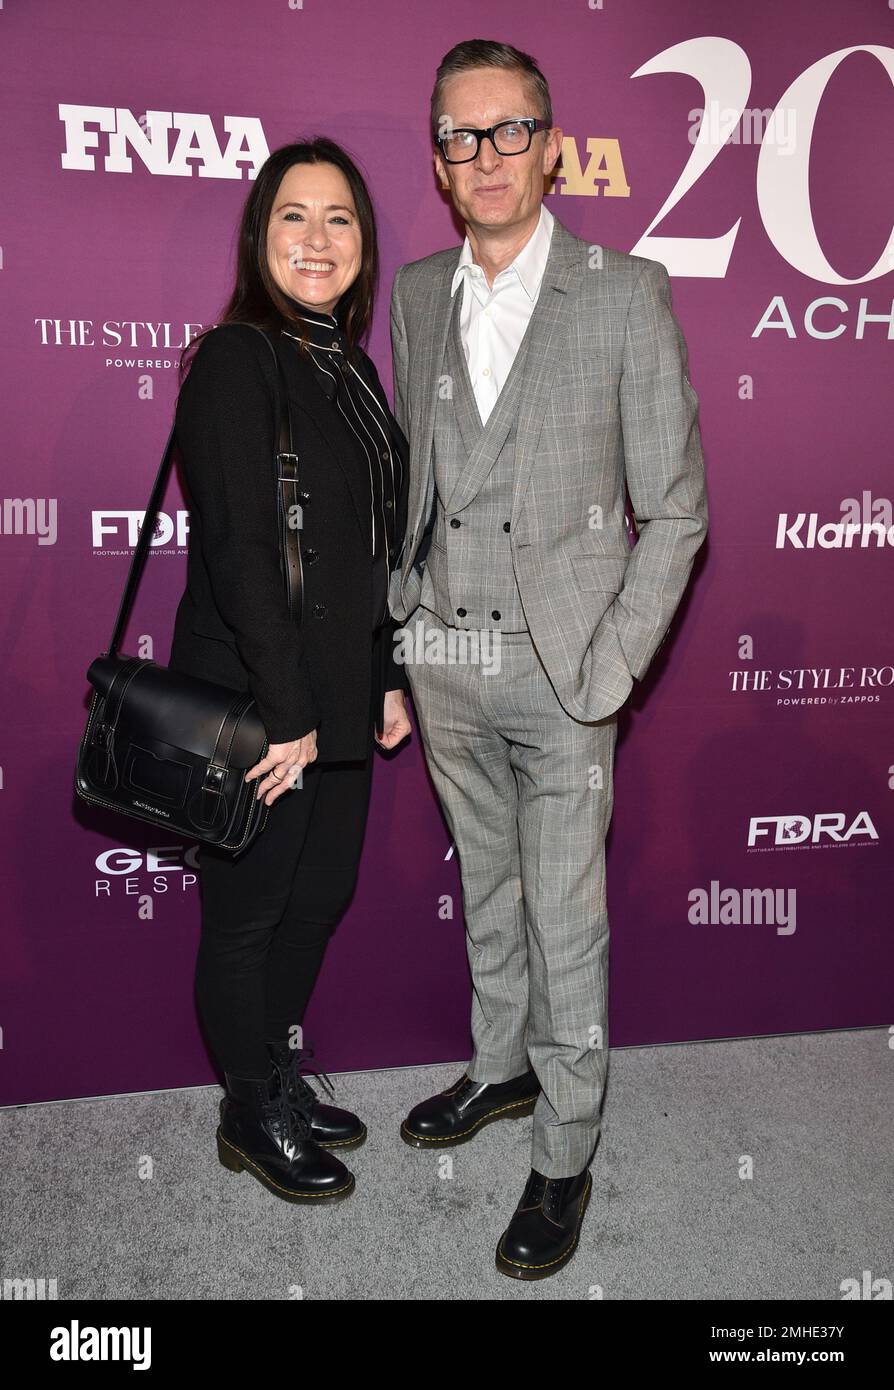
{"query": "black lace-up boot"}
pixel 260 1132
pixel 330 1126
pixel 543 1233
pixel 455 1116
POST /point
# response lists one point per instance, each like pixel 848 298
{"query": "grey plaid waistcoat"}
pixel 469 565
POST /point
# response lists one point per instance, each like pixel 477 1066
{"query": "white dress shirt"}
pixel 493 320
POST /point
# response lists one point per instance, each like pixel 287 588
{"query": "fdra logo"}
pixel 113 530
pixel 830 826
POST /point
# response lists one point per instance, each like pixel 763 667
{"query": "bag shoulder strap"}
pixel 287 502
pixel 288 493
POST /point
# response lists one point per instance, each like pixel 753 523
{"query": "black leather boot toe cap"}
pixel 456 1115
pixel 335 1128
pixel 544 1231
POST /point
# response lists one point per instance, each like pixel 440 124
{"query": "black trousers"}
pixel 267 915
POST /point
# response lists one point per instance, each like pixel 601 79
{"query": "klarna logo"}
pixel 176 143
pixel 867 522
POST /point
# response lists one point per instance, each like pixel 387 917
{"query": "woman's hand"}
pixel 396 723
pixel 278 771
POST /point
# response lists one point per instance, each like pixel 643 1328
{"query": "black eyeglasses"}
pixel 462 144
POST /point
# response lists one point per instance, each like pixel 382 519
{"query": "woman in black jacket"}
pixel 327 688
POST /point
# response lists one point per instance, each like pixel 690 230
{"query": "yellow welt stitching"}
pixel 461 1133
pixel 339 1143
pixel 520 1265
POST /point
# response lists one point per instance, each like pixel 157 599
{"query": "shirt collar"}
pixel 530 263
pixel 322 330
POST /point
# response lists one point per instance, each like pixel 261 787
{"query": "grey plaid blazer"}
pixel 606 405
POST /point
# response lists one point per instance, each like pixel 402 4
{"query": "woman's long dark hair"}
pixel 256 297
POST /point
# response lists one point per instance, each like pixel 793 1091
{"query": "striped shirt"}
pixel 368 424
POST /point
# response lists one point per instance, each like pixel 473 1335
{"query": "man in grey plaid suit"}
pixel 536 377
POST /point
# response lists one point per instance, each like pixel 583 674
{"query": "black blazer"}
pixel 233 624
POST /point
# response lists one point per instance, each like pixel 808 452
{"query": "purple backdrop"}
pixel 768 716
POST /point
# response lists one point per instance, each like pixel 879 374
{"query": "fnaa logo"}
pixel 832 826
pixel 178 143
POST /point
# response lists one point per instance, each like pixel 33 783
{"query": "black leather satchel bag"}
pixel 171 749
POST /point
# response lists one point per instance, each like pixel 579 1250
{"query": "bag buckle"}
pixel 215 777
pixel 288 467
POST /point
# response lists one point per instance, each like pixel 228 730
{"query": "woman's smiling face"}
pixel 314 243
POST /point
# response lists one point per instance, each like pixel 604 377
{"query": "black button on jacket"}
pixel 233 623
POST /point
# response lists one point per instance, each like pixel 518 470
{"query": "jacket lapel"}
pixel 424 384
pixel 537 363
pixel 468 417
pixel 550 326
pixel 547 331
pixel 483 444
pixel 307 394
pixel 399 444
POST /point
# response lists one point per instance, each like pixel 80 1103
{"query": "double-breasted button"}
pixel 320 610
pixel 460 612
pixel 388 503
pixel 495 615
pixel 386 455
pixel 454 523
pixel 505 525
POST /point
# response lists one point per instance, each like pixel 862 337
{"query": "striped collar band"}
pixel 321 330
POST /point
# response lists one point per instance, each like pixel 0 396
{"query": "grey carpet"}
pixel 670 1216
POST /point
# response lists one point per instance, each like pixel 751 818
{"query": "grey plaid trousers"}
pixel 527 793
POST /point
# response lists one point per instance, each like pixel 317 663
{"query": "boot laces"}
pixel 289 1124
pixel 298 1072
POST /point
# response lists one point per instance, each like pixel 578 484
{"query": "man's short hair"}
pixel 486 53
